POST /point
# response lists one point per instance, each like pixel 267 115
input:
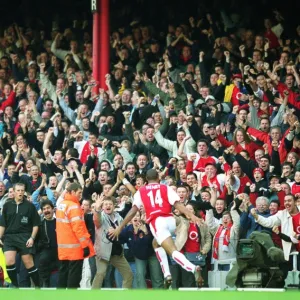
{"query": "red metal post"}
pixel 96 52
pixel 104 41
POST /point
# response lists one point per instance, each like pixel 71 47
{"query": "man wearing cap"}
pixel 210 178
pixel 275 191
pixel 249 165
pixel 260 181
pixel 206 114
pixel 248 223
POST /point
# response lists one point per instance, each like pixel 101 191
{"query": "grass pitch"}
pixel 13 294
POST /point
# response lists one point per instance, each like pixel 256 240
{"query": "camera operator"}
pixel 283 218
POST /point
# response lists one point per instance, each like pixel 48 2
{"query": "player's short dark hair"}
pixel 152 175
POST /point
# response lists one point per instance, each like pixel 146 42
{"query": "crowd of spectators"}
pixel 210 103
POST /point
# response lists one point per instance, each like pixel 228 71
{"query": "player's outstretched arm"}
pixel 180 206
pixel 114 233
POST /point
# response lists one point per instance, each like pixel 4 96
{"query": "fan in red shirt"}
pixel 157 200
pixel 192 244
pixel 8 97
pixel 198 161
pixel 296 227
pixel 295 186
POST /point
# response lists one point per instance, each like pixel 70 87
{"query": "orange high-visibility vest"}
pixel 72 234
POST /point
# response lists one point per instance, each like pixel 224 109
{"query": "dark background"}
pixel 39 14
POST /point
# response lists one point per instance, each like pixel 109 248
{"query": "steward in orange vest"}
pixel 73 240
pixel 72 235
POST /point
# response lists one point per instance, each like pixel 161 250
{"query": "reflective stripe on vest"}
pixel 82 239
pixel 71 208
pixel 76 219
pixel 69 246
pixel 63 220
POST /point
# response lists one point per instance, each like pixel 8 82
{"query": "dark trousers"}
pixel 181 278
pixel 48 262
pixel 70 272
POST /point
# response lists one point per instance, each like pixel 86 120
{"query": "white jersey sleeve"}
pixel 137 200
pixel 172 196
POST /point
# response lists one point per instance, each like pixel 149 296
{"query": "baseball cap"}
pixel 238 75
pixel 212 125
pixel 274 176
pixel 260 171
pixel 210 97
pixel 198 102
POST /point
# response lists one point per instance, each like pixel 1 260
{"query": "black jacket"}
pixel 47 235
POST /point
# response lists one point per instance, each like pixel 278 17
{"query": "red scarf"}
pixel 226 239
pixel 86 152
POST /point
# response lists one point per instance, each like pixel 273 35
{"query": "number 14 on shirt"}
pixel 157 199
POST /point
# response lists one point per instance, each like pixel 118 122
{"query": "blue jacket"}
pixel 36 194
pixel 139 244
pixel 248 223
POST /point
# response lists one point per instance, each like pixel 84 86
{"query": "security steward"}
pixel 18 229
pixel 73 240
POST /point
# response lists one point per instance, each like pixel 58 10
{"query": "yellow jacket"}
pixel 228 92
pixel 3 266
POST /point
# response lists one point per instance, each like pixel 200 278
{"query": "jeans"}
pixel 119 278
pixel 155 273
